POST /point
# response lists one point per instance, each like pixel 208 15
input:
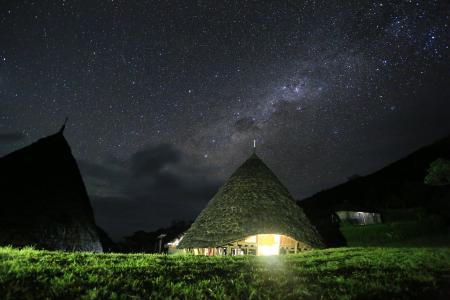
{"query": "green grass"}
pixel 406 233
pixel 342 273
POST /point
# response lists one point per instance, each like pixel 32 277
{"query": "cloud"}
pixel 151 160
pixel 103 179
pixel 154 186
pixel 11 137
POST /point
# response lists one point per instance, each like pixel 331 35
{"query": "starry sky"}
pixel 165 98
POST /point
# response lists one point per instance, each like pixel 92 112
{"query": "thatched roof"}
pixel 43 199
pixel 252 201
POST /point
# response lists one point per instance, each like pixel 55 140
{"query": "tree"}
pixel 438 172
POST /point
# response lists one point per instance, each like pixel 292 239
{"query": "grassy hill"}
pixel 398 186
pixel 403 228
pixel 369 273
pixel 395 234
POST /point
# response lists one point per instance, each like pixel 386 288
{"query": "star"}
pixel 315 82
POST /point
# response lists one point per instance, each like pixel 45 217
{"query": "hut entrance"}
pixel 264 245
pixel 259 244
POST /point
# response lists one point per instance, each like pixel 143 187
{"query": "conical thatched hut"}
pixel 43 199
pixel 253 213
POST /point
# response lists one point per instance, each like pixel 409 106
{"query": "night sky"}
pixel 164 98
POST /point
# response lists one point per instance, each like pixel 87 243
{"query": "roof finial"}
pixel 254 145
pixel 63 126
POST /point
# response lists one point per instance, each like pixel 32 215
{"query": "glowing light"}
pixel 268 244
pixel 175 242
pixel 268 250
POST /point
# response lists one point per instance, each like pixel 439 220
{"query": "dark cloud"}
pixel 151 160
pixel 154 186
pixel 11 137
pixel 95 170
pixel 10 140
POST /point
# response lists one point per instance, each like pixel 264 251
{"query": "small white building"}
pixel 359 217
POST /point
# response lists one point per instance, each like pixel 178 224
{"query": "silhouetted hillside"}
pixel 400 185
pixel 43 198
pixel 148 242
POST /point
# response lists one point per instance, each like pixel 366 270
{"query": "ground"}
pixel 344 273
pixel 396 234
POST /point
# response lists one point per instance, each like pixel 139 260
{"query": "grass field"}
pixel 428 231
pixel 369 273
pixel 395 234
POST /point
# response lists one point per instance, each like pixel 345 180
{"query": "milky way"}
pixel 165 99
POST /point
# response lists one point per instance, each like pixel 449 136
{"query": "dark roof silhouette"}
pixel 43 198
pixel 252 201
